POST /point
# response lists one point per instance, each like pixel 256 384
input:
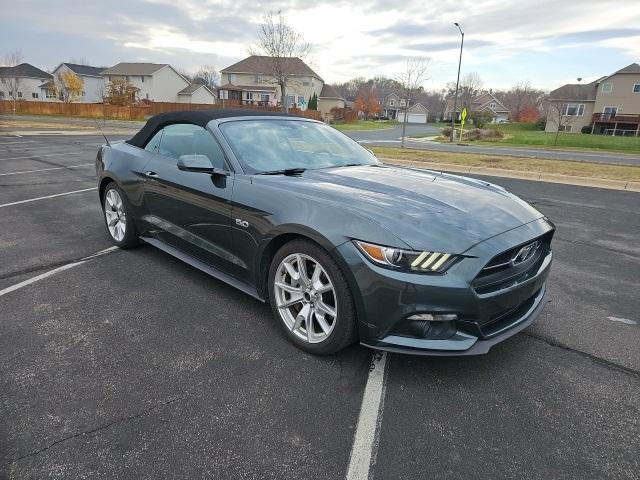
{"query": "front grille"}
pixel 501 272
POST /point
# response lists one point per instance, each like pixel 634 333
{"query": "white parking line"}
pixel 48 196
pixel 46 169
pixel 44 155
pixel 365 442
pixel 62 268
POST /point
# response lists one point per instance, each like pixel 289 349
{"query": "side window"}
pixel 153 144
pixel 186 139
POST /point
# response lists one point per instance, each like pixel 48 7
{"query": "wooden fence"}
pixel 99 110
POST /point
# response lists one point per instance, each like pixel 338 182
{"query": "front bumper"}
pixel 385 298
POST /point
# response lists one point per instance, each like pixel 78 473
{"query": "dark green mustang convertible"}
pixel 343 247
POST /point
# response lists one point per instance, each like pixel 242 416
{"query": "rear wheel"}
pixel 118 217
pixel 311 299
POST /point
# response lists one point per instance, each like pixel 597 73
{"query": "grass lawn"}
pixel 365 125
pixel 527 135
pixel 531 165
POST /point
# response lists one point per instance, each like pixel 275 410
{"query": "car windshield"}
pixel 274 145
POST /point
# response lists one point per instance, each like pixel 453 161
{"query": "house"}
pixel 92 83
pixel 485 102
pixel 25 79
pixel 416 113
pixel 196 93
pixel 157 82
pixel 609 105
pixel 251 82
pixel 329 99
pixel 392 105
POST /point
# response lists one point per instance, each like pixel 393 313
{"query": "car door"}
pixel 191 210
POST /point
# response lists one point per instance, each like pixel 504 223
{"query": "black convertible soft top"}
pixel 196 117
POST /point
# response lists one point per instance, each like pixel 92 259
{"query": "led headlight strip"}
pixel 407 260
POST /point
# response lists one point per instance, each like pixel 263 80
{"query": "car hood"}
pixel 426 210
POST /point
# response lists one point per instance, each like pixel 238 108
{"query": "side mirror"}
pixel 200 164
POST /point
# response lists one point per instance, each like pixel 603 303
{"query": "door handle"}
pixel 152 174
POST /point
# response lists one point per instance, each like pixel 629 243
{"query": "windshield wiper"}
pixel 286 171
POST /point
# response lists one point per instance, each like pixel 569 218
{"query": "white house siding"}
pixel 28 86
pixel 162 86
pixel 93 87
pixel 202 95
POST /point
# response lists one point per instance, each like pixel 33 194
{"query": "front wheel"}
pixel 118 217
pixel 311 299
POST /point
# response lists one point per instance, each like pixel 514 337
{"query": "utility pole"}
pixel 455 98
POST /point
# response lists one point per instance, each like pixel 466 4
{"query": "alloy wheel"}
pixel 115 215
pixel 305 297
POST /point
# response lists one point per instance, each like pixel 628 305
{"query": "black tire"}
pixel 131 237
pixel 344 331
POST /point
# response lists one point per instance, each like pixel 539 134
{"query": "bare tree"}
pixel 283 44
pixel 562 115
pixel 207 75
pixel 412 80
pixel 12 79
pixel 470 88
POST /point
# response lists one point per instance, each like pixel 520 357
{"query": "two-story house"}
pixel 156 82
pixel 392 105
pixel 609 105
pixel 26 78
pixel 485 102
pixel 251 82
pixel 92 83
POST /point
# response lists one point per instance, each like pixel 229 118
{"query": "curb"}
pixel 534 176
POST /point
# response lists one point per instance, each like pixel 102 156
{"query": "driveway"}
pixel 391 138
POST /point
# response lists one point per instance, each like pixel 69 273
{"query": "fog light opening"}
pixel 432 326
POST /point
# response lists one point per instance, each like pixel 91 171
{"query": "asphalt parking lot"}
pixel 132 364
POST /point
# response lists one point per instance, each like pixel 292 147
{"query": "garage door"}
pixel 413 117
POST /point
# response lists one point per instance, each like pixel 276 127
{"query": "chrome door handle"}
pixel 152 174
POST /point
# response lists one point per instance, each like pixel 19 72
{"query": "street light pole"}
pixel 455 98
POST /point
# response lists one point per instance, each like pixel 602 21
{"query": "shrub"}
pixel 541 123
pixel 480 119
pixel 446 132
pixel 586 129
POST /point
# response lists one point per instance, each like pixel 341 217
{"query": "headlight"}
pixel 407 260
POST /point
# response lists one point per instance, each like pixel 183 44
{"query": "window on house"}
pixel 142 78
pixel 402 103
pixel 34 95
pixel 19 94
pixel 51 93
pixel 607 87
pixel 636 88
pixel 300 99
pixel 492 105
pixel 392 102
pixel 573 109
pixel 306 83
pixel 1 94
pixel 249 96
pixel 264 97
pixel 109 77
pixel 291 99
pixel 84 94
pixel 224 94
pixel 257 79
pixel 231 77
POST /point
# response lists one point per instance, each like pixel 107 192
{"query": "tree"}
pixel 470 89
pixel 521 98
pixel 411 81
pixel 283 44
pixel 207 75
pixel 561 115
pixel 69 86
pixel 481 118
pixel 12 80
pixel 367 102
pixel 313 102
pixel 121 92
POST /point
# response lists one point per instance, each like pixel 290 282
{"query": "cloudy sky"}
pixel 547 42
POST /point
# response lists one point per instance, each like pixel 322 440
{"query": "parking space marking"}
pixel 623 320
pixel 44 155
pixel 48 196
pixel 365 442
pixel 46 169
pixel 62 268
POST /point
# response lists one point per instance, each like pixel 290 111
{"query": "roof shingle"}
pixel 24 70
pixel 124 68
pixel 85 69
pixel 329 92
pixel 259 64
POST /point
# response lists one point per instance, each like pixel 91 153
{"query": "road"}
pixel 134 365
pixel 391 138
